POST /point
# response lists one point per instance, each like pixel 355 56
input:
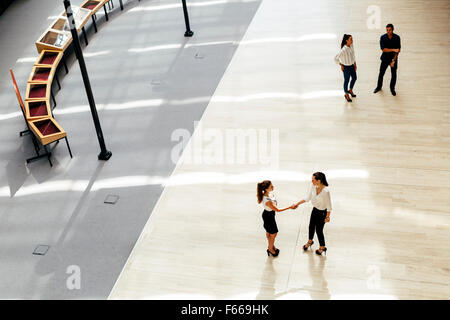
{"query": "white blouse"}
pixel 320 201
pixel 346 56
pixel 271 197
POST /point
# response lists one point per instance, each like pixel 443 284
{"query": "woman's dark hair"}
pixel 321 177
pixel 344 40
pixel 390 25
pixel 261 188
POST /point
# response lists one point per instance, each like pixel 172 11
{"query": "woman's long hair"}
pixel 261 188
pixel 321 177
pixel 344 40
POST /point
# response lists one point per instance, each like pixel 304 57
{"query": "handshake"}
pixel 294 206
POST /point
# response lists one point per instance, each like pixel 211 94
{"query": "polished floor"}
pixel 387 160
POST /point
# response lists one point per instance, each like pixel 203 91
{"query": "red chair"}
pixel 45 130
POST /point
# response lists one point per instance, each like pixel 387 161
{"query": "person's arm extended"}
pixel 272 206
pixel 300 202
pixel 383 49
pixel 307 198
pixel 390 50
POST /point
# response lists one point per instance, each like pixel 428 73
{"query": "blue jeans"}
pixel 349 71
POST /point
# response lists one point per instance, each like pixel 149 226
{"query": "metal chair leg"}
pixel 93 22
pixel 39 157
pixel 65 65
pixel 106 13
pixel 54 100
pixel 24 132
pixel 49 154
pixel 68 147
pixel 85 37
pixel 36 145
pixel 57 81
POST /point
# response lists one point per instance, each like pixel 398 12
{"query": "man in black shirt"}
pixel 390 45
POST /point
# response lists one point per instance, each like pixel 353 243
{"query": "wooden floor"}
pixel 387 160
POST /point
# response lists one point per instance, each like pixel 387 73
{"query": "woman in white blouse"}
pixel 264 194
pixel 319 195
pixel 346 59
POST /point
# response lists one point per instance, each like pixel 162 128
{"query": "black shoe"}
pixel 393 92
pixel 347 98
pixel 306 247
pixel 271 254
pixel 319 252
pixel 376 90
pixel 352 94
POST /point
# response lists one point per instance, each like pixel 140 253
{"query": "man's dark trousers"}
pixel 383 67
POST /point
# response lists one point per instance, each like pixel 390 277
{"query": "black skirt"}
pixel 270 225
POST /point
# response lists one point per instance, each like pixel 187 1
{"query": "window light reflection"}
pixel 318 36
pixel 219 99
pixel 95 54
pixel 11 115
pixel 191 4
pixel 26 59
pixel 192 178
pixel 112 106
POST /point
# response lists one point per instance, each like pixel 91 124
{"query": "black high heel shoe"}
pixel 306 247
pixel 271 254
pixel 319 251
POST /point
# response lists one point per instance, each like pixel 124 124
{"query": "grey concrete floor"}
pixel 147 83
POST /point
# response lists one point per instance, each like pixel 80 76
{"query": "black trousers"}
pixel 316 224
pixel 383 67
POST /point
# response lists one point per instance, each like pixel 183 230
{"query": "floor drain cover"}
pixel 41 250
pixel 111 199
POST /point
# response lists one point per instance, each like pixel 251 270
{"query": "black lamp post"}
pixel 104 154
pixel 189 32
